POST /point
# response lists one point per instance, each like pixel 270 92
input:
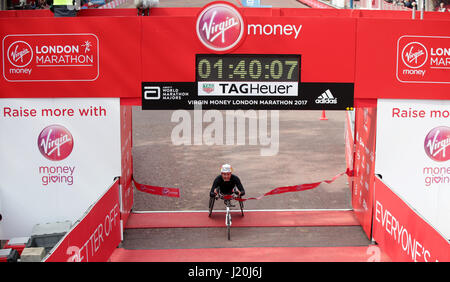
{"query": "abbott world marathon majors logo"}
pixel 220 27
pixel 50 57
pixel 424 59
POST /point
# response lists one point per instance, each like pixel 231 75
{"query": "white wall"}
pixel 75 181
pixel 421 181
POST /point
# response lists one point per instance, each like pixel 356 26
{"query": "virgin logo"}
pixel 436 143
pixel 20 54
pixel 414 55
pixel 55 142
pixel 220 27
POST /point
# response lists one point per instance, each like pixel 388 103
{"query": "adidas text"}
pixel 326 98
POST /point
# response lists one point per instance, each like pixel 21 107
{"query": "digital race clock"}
pixel 247 81
pixel 251 68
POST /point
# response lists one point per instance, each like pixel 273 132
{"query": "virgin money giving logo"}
pixel 437 142
pixel 55 142
pixel 220 27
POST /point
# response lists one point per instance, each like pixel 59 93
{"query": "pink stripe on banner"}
pixel 390 6
pixel 113 4
pixel 315 4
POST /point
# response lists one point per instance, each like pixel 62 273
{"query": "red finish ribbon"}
pixel 156 190
pixel 175 192
pixel 299 187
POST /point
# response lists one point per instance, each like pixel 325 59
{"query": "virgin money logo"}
pixel 20 54
pixel 414 55
pixel 436 143
pixel 220 27
pixel 55 142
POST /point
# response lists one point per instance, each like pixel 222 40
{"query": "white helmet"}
pixel 226 168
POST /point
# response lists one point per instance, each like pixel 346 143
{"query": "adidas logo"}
pixel 326 98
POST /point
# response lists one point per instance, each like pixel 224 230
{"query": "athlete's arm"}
pixel 214 188
pixel 240 187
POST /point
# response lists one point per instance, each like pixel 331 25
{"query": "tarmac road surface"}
pixel 309 150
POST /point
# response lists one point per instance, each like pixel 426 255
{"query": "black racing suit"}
pixel 226 187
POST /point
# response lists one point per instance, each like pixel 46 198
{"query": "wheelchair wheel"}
pixel 241 204
pixel 211 205
pixel 228 222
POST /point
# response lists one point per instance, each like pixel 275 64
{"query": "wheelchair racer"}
pixel 226 182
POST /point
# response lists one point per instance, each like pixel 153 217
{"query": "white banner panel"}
pixel 413 155
pixel 246 88
pixel 57 157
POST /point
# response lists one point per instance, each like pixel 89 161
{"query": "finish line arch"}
pixel 355 48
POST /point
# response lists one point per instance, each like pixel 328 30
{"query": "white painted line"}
pixel 238 210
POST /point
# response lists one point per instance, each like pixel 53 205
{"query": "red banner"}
pixel 263 36
pixel 156 190
pixel 409 61
pixel 364 166
pixel 96 236
pixel 50 57
pixel 383 60
pixel 402 233
pixel 349 145
pixel 127 161
pixel 70 58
